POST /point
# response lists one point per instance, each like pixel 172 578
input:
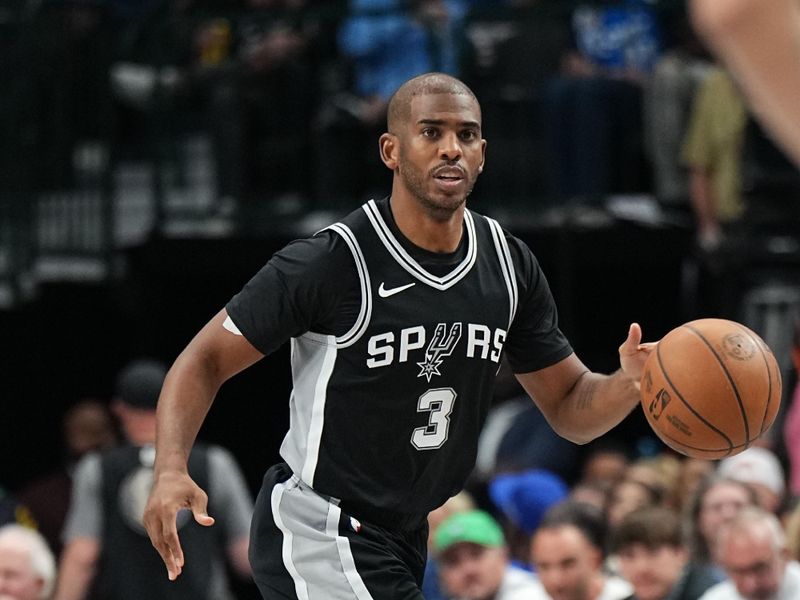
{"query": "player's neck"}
pixel 426 230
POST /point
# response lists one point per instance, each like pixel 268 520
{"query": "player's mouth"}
pixel 449 178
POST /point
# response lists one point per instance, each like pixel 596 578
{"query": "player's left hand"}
pixel 633 353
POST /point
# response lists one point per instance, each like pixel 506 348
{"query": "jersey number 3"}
pixel 439 404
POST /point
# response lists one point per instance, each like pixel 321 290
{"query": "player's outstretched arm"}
pixel 214 355
pixel 760 43
pixel 581 405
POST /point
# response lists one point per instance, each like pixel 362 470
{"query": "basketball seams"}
pixel 683 426
pixel 764 425
pixel 730 380
pixel 760 347
pixel 727 451
pixel 686 404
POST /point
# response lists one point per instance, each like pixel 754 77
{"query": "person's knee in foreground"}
pixel 398 317
pixel 758 42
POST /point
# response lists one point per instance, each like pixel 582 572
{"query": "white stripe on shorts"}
pixel 299 585
pixel 319 560
pixel 346 554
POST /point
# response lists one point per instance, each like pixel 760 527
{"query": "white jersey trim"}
pixel 365 312
pixel 405 260
pixel 507 266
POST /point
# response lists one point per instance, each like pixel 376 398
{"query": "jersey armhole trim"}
pixel 365 312
pixel 507 266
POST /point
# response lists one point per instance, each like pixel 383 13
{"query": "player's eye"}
pixel 430 132
pixel 469 135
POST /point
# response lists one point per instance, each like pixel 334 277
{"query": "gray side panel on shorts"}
pixel 319 560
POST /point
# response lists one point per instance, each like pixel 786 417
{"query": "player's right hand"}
pixel 172 491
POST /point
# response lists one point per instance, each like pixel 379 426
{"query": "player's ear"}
pixel 388 145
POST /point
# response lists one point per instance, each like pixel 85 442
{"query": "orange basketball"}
pixel 710 388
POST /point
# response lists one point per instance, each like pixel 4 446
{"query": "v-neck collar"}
pixel 410 264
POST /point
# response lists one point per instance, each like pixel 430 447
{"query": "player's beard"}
pixel 417 182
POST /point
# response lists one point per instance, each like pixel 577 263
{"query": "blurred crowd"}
pixel 660 527
pixel 77 533
pixel 581 99
pixel 540 518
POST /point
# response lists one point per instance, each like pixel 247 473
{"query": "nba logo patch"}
pixel 355 524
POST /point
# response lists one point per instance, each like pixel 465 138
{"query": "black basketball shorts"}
pixel 304 546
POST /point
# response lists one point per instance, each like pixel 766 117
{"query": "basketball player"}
pixel 398 316
pixel 760 43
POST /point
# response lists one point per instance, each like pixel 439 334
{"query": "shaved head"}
pixel 399 111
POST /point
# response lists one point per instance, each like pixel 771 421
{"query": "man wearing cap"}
pixel 473 560
pixel 761 470
pixel 523 498
pixel 106 546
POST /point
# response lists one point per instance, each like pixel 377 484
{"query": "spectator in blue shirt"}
pixel 383 43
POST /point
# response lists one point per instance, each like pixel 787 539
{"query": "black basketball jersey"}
pixel 127 476
pixel 386 410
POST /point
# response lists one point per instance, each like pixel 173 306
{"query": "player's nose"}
pixel 450 146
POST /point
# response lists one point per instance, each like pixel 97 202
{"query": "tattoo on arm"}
pixel 586 394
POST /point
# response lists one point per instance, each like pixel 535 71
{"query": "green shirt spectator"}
pixel 713 152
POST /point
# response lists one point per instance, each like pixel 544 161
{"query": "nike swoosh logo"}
pixel 384 293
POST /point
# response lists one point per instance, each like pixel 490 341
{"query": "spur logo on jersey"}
pixel 442 344
pixel 482 342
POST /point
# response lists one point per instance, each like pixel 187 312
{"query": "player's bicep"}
pixel 222 347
